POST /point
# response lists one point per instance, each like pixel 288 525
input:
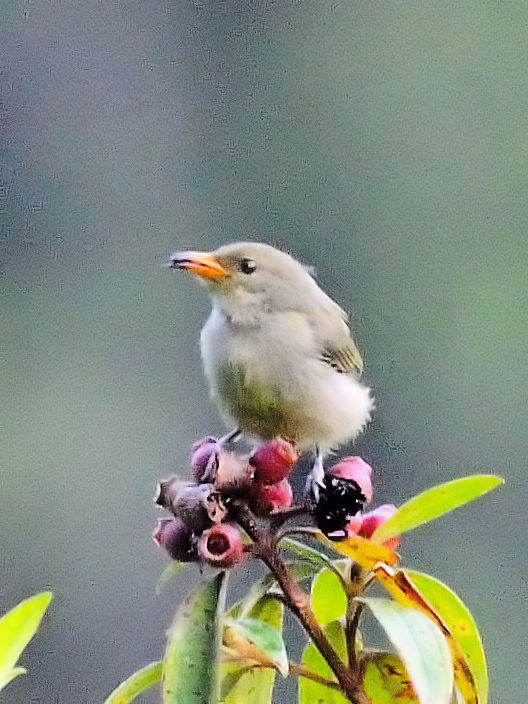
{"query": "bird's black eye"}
pixel 247 266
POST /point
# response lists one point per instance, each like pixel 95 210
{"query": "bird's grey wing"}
pixel 345 358
pixel 333 337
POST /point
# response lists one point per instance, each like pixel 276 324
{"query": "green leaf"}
pixel 189 672
pixel 421 646
pixel 137 683
pixel 252 685
pixel 268 610
pixel 435 502
pixel 311 692
pixel 460 622
pixel 17 628
pixel 386 680
pixel 267 641
pixel 403 589
pixel 329 600
pixel 168 574
pixel 306 551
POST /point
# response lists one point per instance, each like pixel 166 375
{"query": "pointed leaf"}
pixel 189 673
pixel 386 680
pixel 435 502
pixel 268 646
pixel 137 683
pixel 365 552
pixel 168 574
pixel 329 600
pixel 421 646
pixel 307 552
pixel 460 622
pixel 402 588
pixel 311 692
pixel 17 627
pixel 252 685
pixel 10 675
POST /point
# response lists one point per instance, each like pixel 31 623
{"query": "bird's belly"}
pixel 281 390
pixel 309 413
pixel 258 407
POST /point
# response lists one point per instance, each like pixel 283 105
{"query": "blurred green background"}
pixel 386 143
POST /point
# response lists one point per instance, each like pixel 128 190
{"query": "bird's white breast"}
pixel 277 356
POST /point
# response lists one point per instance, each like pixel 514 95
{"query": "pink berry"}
pixel 267 498
pixel 357 469
pixel 274 460
pixel 365 524
pixel 221 545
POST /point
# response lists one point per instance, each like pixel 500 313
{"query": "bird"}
pixel 277 351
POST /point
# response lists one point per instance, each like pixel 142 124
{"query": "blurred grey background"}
pixel 386 143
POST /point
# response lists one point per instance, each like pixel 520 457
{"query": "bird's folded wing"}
pixel 346 359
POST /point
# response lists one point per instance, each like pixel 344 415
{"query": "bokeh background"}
pixel 386 143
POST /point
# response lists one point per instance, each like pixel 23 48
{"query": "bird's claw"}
pixel 230 437
pixel 315 480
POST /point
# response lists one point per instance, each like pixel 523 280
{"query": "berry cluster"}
pixel 202 528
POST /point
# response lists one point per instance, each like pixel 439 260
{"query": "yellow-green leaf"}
pixel 386 680
pixel 267 642
pixel 365 552
pixel 17 627
pixel 168 574
pixel 435 502
pixel 252 685
pixel 403 589
pixel 137 683
pixel 189 673
pixel 329 600
pixel 460 622
pixel 307 552
pixel 311 692
pixel 421 645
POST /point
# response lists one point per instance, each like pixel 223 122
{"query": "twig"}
pixel 302 671
pixel 298 602
pixel 360 580
pixel 297 530
pixel 278 518
pixel 294 668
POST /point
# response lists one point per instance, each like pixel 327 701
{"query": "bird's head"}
pixel 247 275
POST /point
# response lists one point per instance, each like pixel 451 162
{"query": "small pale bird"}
pixel 277 351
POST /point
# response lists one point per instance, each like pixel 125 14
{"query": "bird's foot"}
pixel 230 437
pixel 315 480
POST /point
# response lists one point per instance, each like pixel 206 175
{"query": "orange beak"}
pixel 201 263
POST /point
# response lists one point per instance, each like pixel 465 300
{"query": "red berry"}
pixel 274 460
pixel 267 498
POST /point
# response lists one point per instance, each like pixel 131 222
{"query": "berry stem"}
pixel 298 602
pixel 360 580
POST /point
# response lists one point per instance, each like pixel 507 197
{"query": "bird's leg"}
pixel 232 436
pixel 315 479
